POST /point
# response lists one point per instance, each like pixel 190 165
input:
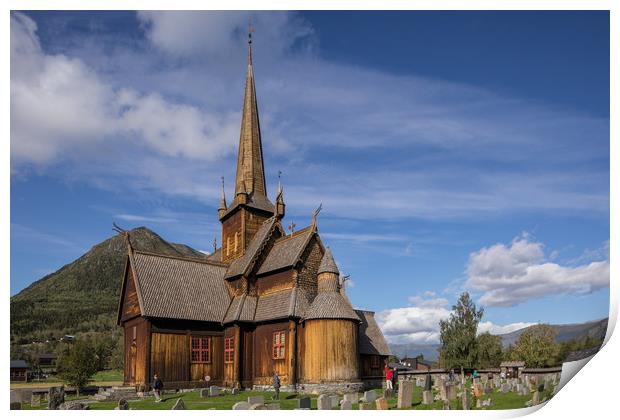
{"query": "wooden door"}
pixel 133 351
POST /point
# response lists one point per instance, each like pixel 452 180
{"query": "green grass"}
pixel 288 401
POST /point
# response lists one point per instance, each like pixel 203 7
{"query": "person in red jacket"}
pixel 388 377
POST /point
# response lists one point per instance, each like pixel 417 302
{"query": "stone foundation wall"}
pixel 337 387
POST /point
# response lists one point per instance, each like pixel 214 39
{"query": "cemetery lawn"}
pixel 288 401
pixel 102 378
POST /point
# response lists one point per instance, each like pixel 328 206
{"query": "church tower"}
pixel 250 206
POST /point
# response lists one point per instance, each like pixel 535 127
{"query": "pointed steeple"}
pixel 280 206
pixel 328 265
pixel 250 167
pixel 222 208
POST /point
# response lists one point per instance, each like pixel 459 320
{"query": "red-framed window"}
pixel 201 349
pixel 278 345
pixel 229 349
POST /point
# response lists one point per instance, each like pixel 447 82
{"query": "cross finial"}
pixel 214 244
pixel 250 31
pixel 291 227
pixel 315 213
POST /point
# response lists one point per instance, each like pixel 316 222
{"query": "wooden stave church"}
pixel 265 301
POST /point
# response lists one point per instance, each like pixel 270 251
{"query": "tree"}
pixel 458 334
pixel 77 364
pixel 536 346
pixel 490 351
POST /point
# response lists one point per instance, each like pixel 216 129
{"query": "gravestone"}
pixel 273 406
pixel 388 393
pixel 16 405
pixel 73 405
pixel 505 388
pixel 241 405
pixel 523 391
pixel 427 397
pixel 334 401
pixel 405 394
pixel 35 400
pixel 352 397
pixel 443 392
pixel 465 400
pixel 370 396
pixel 536 398
pixel 258 406
pixel 214 391
pixel 56 396
pixel 451 392
pixel 323 402
pixel 235 391
pixel 365 406
pixel 256 399
pixel 478 390
pixel 381 403
pixel 204 392
pixel 179 405
pixel 123 404
pixel 478 403
pixel 346 405
pixel 446 405
pixel 304 402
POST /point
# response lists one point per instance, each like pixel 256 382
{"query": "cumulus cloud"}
pixel 60 106
pixel 511 274
pixel 419 323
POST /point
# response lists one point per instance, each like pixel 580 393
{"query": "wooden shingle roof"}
pixel 371 339
pixel 244 263
pixel 330 305
pixel 172 287
pixel 286 251
pixel 328 265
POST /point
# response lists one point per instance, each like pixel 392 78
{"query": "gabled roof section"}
pixel 371 339
pixel 180 288
pixel 242 308
pixel 244 264
pixel 286 251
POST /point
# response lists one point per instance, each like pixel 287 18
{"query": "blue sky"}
pixel 451 150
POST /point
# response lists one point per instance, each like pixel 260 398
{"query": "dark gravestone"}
pixel 304 402
pixel 73 405
pixel 541 387
pixel 123 404
pixel 56 396
pixel 428 383
pixel 16 405
pixel 204 392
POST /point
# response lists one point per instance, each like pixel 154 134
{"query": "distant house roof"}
pixel 582 354
pixel 19 364
pixel 47 356
pixel 512 363
pixel 172 287
pixel 371 339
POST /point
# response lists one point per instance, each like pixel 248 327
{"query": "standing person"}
pixel 388 377
pixel 451 375
pixel 158 385
pixel 394 378
pixel 276 385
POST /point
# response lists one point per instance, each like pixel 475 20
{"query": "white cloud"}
pixel 62 109
pixel 511 274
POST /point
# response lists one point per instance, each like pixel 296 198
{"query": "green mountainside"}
pixel 83 296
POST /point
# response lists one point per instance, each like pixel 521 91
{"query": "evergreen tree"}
pixel 490 351
pixel 458 334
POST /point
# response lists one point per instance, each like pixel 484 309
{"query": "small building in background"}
pixel 19 371
pixel 512 369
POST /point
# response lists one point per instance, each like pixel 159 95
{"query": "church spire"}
pixel 250 167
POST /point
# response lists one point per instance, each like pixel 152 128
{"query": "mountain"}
pixel 83 295
pixel 565 332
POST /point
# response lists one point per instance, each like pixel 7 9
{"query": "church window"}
pixel 278 344
pixel 229 349
pixel 201 349
pixel 375 362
